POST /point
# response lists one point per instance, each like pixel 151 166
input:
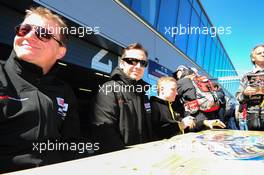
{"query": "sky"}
pixel 247 25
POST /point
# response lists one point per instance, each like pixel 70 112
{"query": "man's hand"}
pixel 212 123
pixel 188 122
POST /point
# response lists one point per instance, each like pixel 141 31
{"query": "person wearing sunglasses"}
pixel 121 114
pixel 35 106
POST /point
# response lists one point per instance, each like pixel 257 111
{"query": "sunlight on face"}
pixel 31 49
pixel 135 72
pixel 169 91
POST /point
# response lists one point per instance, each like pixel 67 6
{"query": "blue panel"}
pixel 201 49
pixel 193 36
pixel 183 23
pixel 167 17
pixel 218 61
pixel 212 59
pixel 216 70
pixel 197 7
pixel 204 19
pixel 229 68
pixel 224 65
pixel 147 9
pixel 127 2
pixel 136 6
pixel 207 53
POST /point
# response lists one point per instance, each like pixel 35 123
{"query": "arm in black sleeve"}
pixel 155 119
pixel 163 125
pixel 186 89
pixel 105 126
pixel 199 123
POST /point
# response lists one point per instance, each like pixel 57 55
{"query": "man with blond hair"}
pixel 35 107
pixel 165 121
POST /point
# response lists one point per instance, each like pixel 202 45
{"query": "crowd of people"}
pixel 36 107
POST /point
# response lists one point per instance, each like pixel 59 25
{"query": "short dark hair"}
pixel 134 46
pixel 185 71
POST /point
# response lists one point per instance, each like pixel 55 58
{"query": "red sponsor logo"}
pixel 4 97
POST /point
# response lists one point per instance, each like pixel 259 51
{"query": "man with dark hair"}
pixel 188 94
pixel 121 108
pixel 34 105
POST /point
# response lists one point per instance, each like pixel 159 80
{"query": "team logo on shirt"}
pixel 63 107
pixel 147 106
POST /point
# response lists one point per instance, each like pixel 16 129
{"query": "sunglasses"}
pixel 42 33
pixel 134 62
pixel 259 53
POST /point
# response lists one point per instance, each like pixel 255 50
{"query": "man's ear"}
pixel 253 59
pixel 61 53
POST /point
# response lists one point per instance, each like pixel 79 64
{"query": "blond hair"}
pixel 47 14
pixel 164 80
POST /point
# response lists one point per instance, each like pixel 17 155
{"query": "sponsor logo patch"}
pixel 63 107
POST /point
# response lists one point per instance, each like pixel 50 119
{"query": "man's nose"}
pixel 138 65
pixel 31 35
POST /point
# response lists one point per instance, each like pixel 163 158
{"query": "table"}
pixel 211 152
